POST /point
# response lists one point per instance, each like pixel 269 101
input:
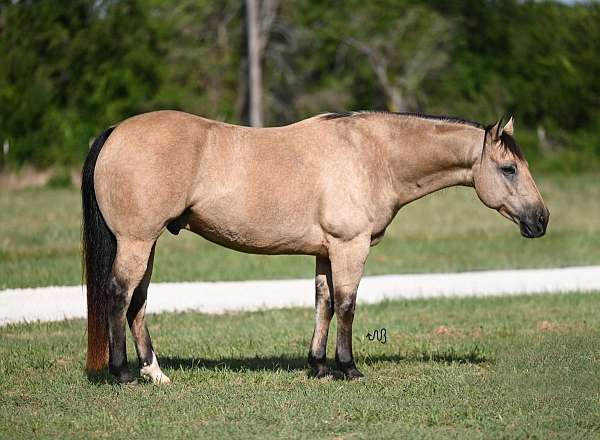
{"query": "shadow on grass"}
pixel 257 363
pixel 297 363
pixel 473 355
pixel 102 377
pixel 294 363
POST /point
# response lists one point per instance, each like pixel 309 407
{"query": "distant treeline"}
pixel 68 69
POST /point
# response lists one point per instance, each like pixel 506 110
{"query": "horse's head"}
pixel 503 182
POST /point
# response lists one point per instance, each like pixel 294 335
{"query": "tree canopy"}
pixel 70 69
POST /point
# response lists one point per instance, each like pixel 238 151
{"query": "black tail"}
pixel 99 250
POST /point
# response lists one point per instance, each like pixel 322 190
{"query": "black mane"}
pixel 507 141
pixel 328 116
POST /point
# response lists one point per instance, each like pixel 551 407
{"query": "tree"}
pixel 69 71
pixel 254 61
pixel 415 46
pixel 202 68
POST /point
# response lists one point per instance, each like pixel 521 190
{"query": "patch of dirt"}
pixel 443 330
pixel 477 332
pixel 76 178
pixel 26 177
pixel 548 326
pixel 31 177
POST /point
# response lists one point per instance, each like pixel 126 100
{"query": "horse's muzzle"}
pixel 533 224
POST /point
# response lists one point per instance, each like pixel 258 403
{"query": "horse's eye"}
pixel 509 170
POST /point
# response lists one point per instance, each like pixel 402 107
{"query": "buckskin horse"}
pixel 326 186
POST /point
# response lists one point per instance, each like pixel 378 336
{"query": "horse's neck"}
pixel 428 155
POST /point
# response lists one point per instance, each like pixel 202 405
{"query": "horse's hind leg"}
pixel 136 317
pixel 323 315
pixel 128 271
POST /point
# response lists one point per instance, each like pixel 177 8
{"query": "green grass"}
pixel 519 367
pixel 512 367
pixel 447 231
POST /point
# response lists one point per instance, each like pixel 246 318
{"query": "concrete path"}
pixel 58 303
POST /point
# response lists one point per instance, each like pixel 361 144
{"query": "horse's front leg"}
pixel 347 263
pixel 323 315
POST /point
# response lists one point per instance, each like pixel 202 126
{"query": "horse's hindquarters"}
pixel 145 174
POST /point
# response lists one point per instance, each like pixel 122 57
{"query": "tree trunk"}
pixel 254 63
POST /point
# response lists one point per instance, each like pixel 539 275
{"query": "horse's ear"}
pixel 508 128
pixel 496 130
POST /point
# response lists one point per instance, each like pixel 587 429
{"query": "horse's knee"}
pixel 345 305
pixel 320 285
pixel 324 298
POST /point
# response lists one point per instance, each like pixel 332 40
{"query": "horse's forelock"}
pixel 510 144
pixel 507 142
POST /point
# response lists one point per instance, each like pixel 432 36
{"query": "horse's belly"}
pixel 269 235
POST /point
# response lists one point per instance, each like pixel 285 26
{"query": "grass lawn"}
pixel 516 367
pixel 447 231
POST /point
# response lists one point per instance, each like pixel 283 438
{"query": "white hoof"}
pixel 153 373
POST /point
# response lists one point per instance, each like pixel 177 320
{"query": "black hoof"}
pixel 318 367
pixel 353 374
pixel 127 380
pixel 124 377
pixel 320 372
pixel 349 370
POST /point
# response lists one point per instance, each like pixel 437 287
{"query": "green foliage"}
pixel 535 59
pixel 202 43
pixel 69 69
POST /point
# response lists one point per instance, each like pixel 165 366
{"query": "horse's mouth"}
pixel 527 230
pixel 505 213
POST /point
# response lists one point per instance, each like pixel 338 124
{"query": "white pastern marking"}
pixel 153 372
